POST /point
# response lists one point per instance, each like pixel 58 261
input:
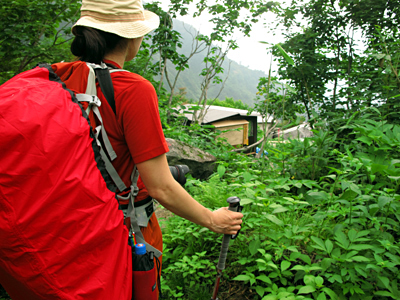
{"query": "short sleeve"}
pixel 139 118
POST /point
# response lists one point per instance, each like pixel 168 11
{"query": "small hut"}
pixel 226 118
pixel 235 131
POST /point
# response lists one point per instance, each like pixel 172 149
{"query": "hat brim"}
pixel 129 30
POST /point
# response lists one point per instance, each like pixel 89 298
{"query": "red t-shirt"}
pixel 135 131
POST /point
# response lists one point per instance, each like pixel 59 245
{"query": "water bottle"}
pixel 143 274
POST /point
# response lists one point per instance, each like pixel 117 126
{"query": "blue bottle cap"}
pixel 140 249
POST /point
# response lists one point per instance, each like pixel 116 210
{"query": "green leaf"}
pixel 330 293
pixel 247 176
pixel 244 201
pixel 342 240
pixel 260 260
pixel 378 168
pixel 242 278
pixel 285 265
pixel 260 290
pixel 329 246
pixel 379 55
pixel 270 297
pixel 298 268
pixel 349 195
pixel 221 170
pixel 384 293
pixel 264 278
pixel 359 247
pixel 376 268
pixel 279 210
pixel 274 220
pixel 360 258
pixel 306 289
pixel 288 59
pixel 316 197
pixel 361 271
pixel 253 246
pixel 292 248
pixel 305 258
pixel 321 296
pixel 383 200
pixel 366 140
pixel 319 243
pixel 309 280
pixel 352 235
pixel 319 281
pixel 385 281
pixel 332 176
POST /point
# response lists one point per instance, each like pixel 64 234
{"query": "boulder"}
pixel 200 163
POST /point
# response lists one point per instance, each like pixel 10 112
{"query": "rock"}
pixel 200 163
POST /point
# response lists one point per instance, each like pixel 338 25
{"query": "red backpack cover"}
pixel 61 233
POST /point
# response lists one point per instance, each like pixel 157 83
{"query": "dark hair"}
pixel 91 45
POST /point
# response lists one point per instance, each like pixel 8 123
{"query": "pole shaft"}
pixel 233 206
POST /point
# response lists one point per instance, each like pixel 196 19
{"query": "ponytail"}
pixel 91 45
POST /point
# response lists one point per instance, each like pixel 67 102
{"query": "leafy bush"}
pixel 321 220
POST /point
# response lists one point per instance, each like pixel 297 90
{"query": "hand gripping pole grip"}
pixel 234 205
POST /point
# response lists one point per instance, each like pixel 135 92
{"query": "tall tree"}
pixel 34 31
pixel 342 62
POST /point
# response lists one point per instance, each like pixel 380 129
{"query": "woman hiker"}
pixel 111 31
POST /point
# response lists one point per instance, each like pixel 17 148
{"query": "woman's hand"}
pixel 226 221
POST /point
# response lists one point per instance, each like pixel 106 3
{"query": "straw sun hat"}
pixel 125 18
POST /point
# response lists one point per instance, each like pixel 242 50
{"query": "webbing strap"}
pixel 109 167
pixel 117 70
pixel 112 172
pixel 104 78
pixel 104 135
pixel 91 83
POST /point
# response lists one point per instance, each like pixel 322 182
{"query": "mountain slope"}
pixel 240 85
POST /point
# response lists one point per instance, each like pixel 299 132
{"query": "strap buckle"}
pixel 134 190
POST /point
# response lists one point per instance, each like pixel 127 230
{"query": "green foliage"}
pixel 186 259
pixel 230 102
pixel 322 222
pixel 333 71
pixel 32 32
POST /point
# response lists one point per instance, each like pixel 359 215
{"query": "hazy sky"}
pixel 250 53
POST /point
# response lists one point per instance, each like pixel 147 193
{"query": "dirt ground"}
pixel 162 213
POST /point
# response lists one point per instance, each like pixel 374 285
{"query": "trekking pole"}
pixel 234 205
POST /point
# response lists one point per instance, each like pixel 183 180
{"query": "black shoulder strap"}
pixel 105 82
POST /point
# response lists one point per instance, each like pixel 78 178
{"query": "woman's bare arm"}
pixel 162 186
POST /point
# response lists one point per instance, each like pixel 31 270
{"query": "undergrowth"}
pixel 321 220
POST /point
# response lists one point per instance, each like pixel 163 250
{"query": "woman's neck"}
pixel 117 58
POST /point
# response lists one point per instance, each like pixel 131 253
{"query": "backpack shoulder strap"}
pixel 104 78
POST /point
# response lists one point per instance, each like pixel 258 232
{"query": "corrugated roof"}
pixel 215 113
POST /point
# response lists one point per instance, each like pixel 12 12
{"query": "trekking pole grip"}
pixel 234 205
